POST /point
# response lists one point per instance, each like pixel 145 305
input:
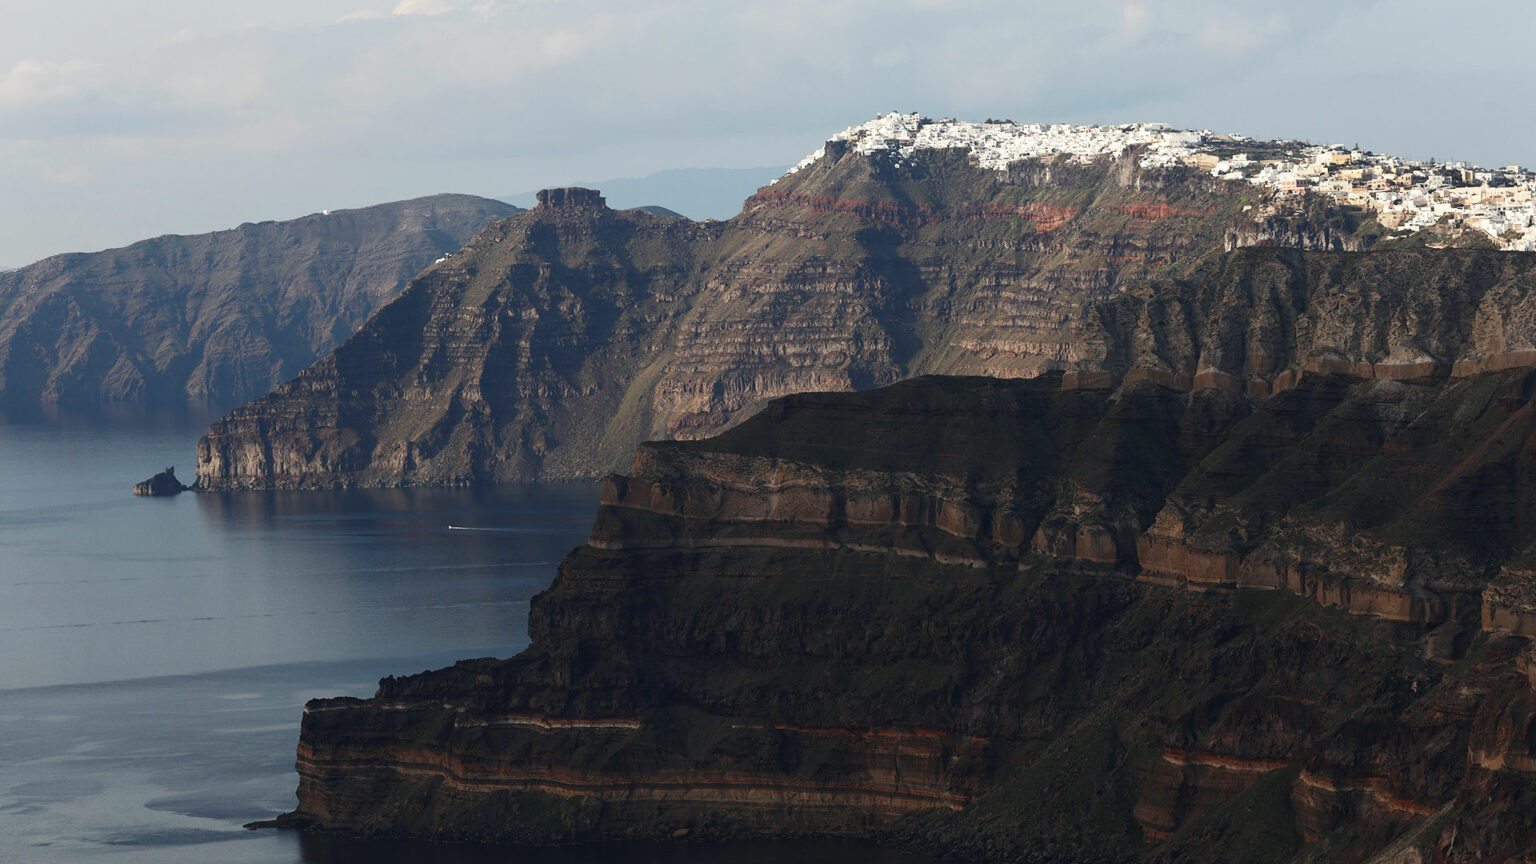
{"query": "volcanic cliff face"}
pixel 1009 619
pixel 557 340
pixel 213 318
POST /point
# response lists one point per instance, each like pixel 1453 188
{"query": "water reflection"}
pixel 382 566
pixel 96 585
pixel 155 654
pixel 527 508
pixel 172 416
pixel 337 850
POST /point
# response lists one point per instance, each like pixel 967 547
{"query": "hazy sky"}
pixel 124 119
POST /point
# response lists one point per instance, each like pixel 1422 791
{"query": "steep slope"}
pixel 956 613
pixel 213 318
pixel 559 339
pixel 555 343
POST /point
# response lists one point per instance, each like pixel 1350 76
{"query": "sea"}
pixel 156 653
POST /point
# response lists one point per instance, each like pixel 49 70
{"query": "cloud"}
pixel 33 81
pixel 1135 18
pixel 426 7
pixel 397 98
pixel 1230 35
pixel 406 9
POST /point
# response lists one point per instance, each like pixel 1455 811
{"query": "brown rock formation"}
pixel 953 612
pixel 573 198
pixel 213 319
pixel 555 342
pixel 161 485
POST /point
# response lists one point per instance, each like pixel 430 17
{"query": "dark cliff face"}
pixel 557 341
pixel 215 318
pixel 552 345
pixel 508 360
pixel 1009 619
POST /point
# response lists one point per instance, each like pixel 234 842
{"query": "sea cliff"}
pixel 1013 620
pixel 558 339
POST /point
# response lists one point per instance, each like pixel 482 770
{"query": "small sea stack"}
pixel 162 484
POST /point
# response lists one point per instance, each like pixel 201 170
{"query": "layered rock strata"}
pixel 213 319
pixel 557 340
pixel 1012 619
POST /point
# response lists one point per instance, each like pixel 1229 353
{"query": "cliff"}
pixel 557 340
pixel 1013 620
pixel 212 319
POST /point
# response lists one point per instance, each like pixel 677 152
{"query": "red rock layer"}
pixel 889 212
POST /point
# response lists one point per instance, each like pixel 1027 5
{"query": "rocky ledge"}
pixel 1011 620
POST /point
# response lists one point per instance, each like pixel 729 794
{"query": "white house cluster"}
pixel 1403 194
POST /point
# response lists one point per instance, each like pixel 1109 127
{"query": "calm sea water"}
pixel 155 654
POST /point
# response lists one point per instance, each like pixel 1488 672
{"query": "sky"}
pixel 126 119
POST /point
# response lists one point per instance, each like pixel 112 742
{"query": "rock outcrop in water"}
pixel 1014 620
pixel 161 485
pixel 213 319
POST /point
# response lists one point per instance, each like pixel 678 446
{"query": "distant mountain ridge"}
pixel 213 319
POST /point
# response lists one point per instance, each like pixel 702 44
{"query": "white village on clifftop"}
pixel 1404 195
